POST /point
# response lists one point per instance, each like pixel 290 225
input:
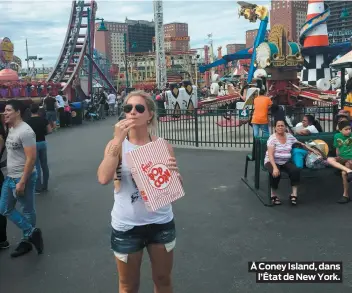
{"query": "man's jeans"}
pixel 3 220
pixel 263 127
pixel 8 200
pixel 41 164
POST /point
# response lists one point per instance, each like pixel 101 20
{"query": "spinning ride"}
pixel 279 60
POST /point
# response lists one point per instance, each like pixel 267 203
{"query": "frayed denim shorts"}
pixel 140 237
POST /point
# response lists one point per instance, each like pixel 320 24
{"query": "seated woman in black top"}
pixel 41 127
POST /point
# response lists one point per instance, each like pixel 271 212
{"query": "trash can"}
pixel 76 113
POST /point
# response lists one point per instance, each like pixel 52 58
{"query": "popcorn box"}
pixel 157 185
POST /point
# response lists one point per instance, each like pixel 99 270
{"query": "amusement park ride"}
pixel 275 60
pixel 78 45
pixel 279 60
pixel 77 48
pixel 10 84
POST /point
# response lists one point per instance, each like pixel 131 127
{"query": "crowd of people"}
pixel 279 157
pixel 24 165
pixel 25 172
pixel 286 153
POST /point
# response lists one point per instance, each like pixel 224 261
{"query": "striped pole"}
pixel 318 36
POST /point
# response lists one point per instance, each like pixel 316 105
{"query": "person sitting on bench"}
pixel 342 116
pixel 278 158
pixel 308 126
pixel 343 161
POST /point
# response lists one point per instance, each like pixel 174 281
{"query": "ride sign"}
pixel 243 114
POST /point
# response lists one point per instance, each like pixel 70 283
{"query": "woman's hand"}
pixel 313 150
pixel 316 152
pixel 20 186
pixel 121 129
pixel 276 173
pixel 172 164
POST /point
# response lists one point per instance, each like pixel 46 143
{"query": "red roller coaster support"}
pixel 97 68
pixel 78 43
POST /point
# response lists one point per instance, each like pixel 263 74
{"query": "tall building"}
pixel 291 14
pixel 140 35
pixel 111 43
pixel 250 37
pixel 233 48
pixel 340 21
pixel 176 36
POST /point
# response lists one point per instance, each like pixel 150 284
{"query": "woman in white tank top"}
pixel 133 226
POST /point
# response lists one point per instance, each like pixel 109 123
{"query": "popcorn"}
pixel 157 185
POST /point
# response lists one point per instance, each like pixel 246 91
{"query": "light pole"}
pixel 196 69
pixel 27 57
pixel 90 45
pixel 32 58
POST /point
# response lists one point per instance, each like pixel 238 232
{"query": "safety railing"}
pixel 228 128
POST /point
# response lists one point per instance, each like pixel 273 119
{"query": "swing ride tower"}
pixel 159 45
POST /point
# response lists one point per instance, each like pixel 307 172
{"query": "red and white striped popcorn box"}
pixel 157 185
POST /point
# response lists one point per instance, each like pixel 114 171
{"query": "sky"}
pixel 44 23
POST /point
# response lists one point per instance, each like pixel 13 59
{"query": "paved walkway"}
pixel 221 226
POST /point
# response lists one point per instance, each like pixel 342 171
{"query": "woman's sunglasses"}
pixel 139 108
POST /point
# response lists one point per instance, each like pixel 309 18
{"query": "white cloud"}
pixel 34 10
pixel 44 23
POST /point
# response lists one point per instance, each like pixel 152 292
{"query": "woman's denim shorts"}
pixel 141 236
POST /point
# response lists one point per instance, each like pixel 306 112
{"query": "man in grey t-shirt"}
pixel 19 184
pixel 18 138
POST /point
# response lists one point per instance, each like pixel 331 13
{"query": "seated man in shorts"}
pixel 343 160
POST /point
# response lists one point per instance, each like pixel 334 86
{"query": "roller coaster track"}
pixel 76 46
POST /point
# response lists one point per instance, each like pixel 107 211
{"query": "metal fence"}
pixel 227 128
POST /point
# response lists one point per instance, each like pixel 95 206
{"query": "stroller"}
pixel 91 111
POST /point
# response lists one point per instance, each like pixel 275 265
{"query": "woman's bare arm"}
pixel 309 148
pixel 303 132
pixel 271 150
pixel 107 168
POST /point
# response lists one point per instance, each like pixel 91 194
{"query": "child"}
pixel 343 161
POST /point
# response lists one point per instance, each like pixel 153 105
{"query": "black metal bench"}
pixel 258 155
